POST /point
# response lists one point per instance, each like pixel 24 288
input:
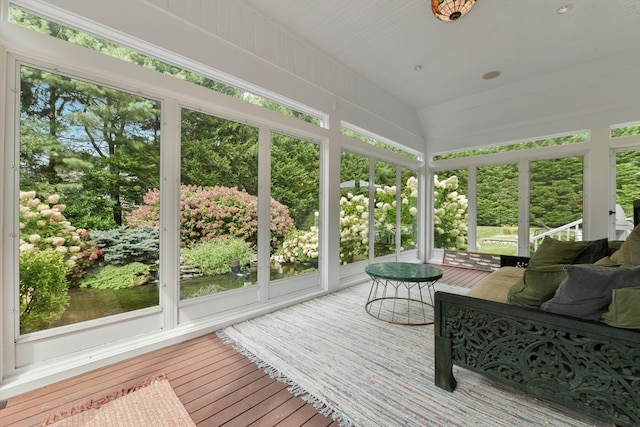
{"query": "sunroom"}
pixel 193 164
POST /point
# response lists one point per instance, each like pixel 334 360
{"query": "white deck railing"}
pixel 564 232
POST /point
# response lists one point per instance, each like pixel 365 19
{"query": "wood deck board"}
pixel 216 384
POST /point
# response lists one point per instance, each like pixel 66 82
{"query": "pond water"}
pixel 86 304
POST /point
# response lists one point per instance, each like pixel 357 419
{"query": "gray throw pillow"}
pixel 586 291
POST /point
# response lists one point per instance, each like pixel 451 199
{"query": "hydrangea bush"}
pixel 299 246
pixel 450 215
pixel 302 246
pixel 207 213
pixel 354 228
pixel 44 228
pixel 385 214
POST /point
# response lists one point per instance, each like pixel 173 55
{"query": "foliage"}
pixel 122 245
pixel 497 195
pixel 385 213
pixel 299 246
pixel 556 191
pixel 44 228
pixel 627 179
pixel 213 257
pixel 118 276
pixel 210 289
pixel 449 215
pixel 43 289
pixel 295 177
pixel 354 228
pixel 88 140
pixel 302 246
pixel 217 151
pixel 207 213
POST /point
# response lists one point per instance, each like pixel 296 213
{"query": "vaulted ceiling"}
pixel 550 63
pixel 385 40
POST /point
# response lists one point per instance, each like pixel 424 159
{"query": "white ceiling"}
pixel 383 40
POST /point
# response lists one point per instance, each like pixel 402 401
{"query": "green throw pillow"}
pixel 587 290
pixel 537 285
pixel 623 311
pixel 552 252
pixel 595 250
pixel 629 253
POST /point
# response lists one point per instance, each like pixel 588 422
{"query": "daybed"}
pixel 565 327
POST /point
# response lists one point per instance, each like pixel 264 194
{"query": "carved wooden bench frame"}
pixel 587 366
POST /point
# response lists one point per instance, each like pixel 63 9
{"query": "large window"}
pixel 556 200
pixel 88 156
pixel 354 208
pixel 450 215
pixel 295 191
pixel 497 218
pixel 218 204
pixel 627 191
pixel 391 227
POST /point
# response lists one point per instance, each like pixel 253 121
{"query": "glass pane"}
pixel 44 25
pixel 497 231
pixel 409 210
pixel 354 208
pixel 385 209
pixel 627 130
pixel 556 200
pixel 88 155
pixel 450 209
pixel 627 191
pixel 295 190
pixel 218 204
pixel 549 142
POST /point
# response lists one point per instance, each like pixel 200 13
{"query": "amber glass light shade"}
pixel 451 10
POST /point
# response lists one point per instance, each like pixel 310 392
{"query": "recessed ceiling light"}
pixel 491 75
pixel 418 67
pixel 564 9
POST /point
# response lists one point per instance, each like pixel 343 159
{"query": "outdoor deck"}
pixel 217 385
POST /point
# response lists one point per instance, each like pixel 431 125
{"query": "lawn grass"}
pixel 488 240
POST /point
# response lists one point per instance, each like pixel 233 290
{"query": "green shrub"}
pixel 206 290
pixel 43 289
pixel 118 277
pixel 123 246
pixel 213 257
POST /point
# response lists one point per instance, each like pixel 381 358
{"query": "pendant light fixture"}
pixel 451 10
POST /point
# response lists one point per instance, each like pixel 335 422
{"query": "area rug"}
pixel 150 403
pixel 365 372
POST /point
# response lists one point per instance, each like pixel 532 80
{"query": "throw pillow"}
pixel 587 289
pixel 629 253
pixel 553 251
pixel 606 261
pixel 595 250
pixel 623 311
pixel 537 285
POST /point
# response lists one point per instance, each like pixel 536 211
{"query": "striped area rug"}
pixel 369 373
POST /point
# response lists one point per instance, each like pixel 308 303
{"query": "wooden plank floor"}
pixel 217 385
